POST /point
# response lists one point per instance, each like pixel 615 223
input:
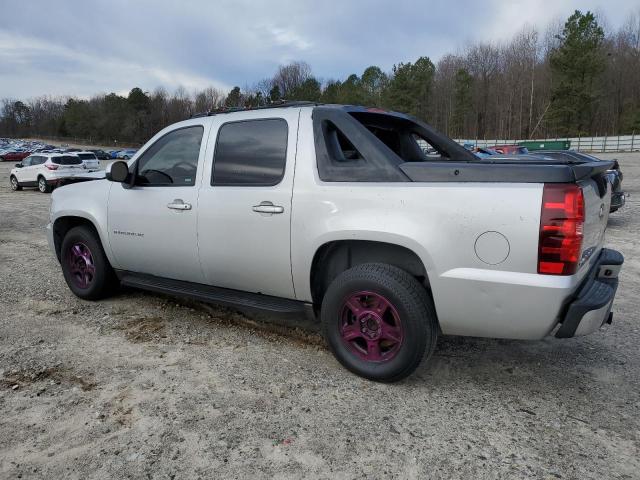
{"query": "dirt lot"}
pixel 143 386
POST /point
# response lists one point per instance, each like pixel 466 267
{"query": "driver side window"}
pixel 172 160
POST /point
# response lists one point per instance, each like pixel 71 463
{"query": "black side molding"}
pixel 209 294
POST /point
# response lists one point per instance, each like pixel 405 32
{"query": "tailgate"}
pixel 597 199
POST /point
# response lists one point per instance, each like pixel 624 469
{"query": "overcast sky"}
pixel 87 47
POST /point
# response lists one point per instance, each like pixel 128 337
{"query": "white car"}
pixel 45 171
pixel 337 211
pixel 89 160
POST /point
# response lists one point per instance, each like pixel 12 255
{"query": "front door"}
pixel 244 211
pixel 27 175
pixel 152 225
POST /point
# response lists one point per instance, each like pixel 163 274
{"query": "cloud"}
pixel 81 48
pixel 288 38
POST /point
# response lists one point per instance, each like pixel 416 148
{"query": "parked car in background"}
pixel 113 154
pixel 384 243
pixel 126 154
pixel 44 171
pixel 479 151
pixel 618 197
pixel 509 149
pixel 89 160
pixel 13 155
pixel 101 154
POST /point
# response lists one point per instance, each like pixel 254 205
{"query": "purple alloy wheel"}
pixel 370 326
pixel 81 265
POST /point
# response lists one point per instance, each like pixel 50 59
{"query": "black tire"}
pixel 15 186
pixel 43 186
pixel 103 280
pixel 412 304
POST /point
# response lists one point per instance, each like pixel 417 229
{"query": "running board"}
pixel 209 294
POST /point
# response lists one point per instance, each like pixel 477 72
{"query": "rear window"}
pixel 252 152
pixel 87 156
pixel 67 160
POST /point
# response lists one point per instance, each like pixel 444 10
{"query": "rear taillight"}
pixel 561 223
pixel 51 166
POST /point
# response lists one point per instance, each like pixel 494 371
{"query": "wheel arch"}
pixel 63 224
pixel 334 257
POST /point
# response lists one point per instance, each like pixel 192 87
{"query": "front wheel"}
pixel 15 186
pixel 85 266
pixel 379 321
pixel 43 186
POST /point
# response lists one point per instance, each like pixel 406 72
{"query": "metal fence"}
pixel 621 143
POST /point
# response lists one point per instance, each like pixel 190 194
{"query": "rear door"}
pixel 244 210
pixel 36 166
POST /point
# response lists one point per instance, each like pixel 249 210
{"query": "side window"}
pixel 339 147
pixel 39 160
pixel 172 160
pixel 26 162
pixel 427 149
pixel 252 152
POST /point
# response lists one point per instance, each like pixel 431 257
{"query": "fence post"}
pixel 633 135
pixel 604 146
pixel 618 144
pixel 578 142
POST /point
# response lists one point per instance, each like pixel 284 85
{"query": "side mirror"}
pixel 117 172
pixel 19 165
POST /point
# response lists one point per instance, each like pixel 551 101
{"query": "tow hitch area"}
pixel 591 307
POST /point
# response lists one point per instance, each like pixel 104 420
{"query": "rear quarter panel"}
pixel 441 223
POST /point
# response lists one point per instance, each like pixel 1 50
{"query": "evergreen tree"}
pixel 372 83
pixel 274 94
pixel 461 101
pixel 575 65
pixel 308 90
pixel 234 99
pixel 409 88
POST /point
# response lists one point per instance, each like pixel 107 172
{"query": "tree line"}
pixel 572 79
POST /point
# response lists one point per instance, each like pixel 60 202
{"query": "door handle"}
pixel 178 204
pixel 268 207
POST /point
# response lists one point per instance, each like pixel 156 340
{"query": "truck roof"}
pixel 291 104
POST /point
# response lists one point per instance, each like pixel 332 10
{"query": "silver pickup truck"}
pixel 384 230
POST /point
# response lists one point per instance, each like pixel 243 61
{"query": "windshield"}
pixel 87 156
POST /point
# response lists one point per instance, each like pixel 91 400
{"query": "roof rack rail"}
pixel 276 104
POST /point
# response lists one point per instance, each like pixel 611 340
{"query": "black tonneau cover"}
pixel 531 169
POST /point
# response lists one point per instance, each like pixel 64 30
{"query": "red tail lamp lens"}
pixel 561 226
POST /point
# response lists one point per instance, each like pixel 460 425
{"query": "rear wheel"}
pixel 85 266
pixel 379 321
pixel 43 186
pixel 15 186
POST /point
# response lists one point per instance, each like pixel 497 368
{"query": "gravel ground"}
pixel 144 386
